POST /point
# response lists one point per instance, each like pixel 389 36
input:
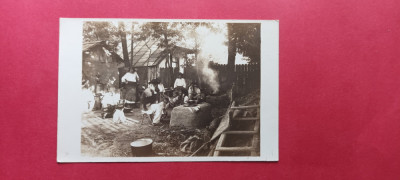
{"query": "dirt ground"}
pixel 103 138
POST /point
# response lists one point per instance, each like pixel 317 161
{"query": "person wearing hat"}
pixel 130 79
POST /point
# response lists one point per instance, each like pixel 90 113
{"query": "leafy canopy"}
pixel 247 39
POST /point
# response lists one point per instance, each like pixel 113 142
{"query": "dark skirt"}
pixel 130 91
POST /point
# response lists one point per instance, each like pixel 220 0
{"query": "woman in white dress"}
pixel 130 79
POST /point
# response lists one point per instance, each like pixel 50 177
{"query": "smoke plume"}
pixel 208 75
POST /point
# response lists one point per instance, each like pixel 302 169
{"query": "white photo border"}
pixel 69 86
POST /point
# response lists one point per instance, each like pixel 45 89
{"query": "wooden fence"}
pixel 246 77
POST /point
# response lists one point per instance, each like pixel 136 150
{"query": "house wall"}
pixel 146 74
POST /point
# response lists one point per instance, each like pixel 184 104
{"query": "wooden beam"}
pixel 254 144
pixel 246 107
pixel 221 141
pixel 256 137
pixel 234 149
pixel 257 126
pixel 240 132
pixel 246 119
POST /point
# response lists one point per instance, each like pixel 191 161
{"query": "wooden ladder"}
pixel 255 132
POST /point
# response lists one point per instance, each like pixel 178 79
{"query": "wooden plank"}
pixel 221 141
pixel 244 79
pixel 254 144
pixel 224 124
pixel 256 137
pixel 241 89
pixel 246 119
pixel 212 150
pixel 257 126
pixel 246 107
pixel 239 132
pixel 234 149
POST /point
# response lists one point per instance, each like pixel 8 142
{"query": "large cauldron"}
pixel 142 147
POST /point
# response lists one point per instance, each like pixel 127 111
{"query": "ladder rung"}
pixel 231 149
pixel 246 107
pixel 246 119
pixel 239 132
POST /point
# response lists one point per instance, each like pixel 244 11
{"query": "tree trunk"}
pixel 125 53
pixel 168 78
pixel 231 47
pixel 171 70
pixel 231 51
pixel 132 45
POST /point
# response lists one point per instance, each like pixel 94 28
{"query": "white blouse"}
pixel 131 77
pixel 180 82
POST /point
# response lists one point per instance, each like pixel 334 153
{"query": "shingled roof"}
pixel 89 45
pixel 149 53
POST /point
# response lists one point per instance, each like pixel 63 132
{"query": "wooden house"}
pixel 148 57
pixel 100 65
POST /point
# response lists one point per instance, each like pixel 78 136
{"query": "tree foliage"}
pixel 244 38
pixel 171 33
pixel 167 32
pixel 100 31
pixel 107 31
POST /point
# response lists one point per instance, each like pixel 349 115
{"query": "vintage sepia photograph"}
pixel 176 88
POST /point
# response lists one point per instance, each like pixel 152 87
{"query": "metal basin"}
pixel 142 147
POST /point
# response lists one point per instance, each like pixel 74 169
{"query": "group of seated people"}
pixel 155 102
pixel 184 95
pixel 153 99
pixel 155 93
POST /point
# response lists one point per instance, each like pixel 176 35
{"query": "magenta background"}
pixel 339 88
